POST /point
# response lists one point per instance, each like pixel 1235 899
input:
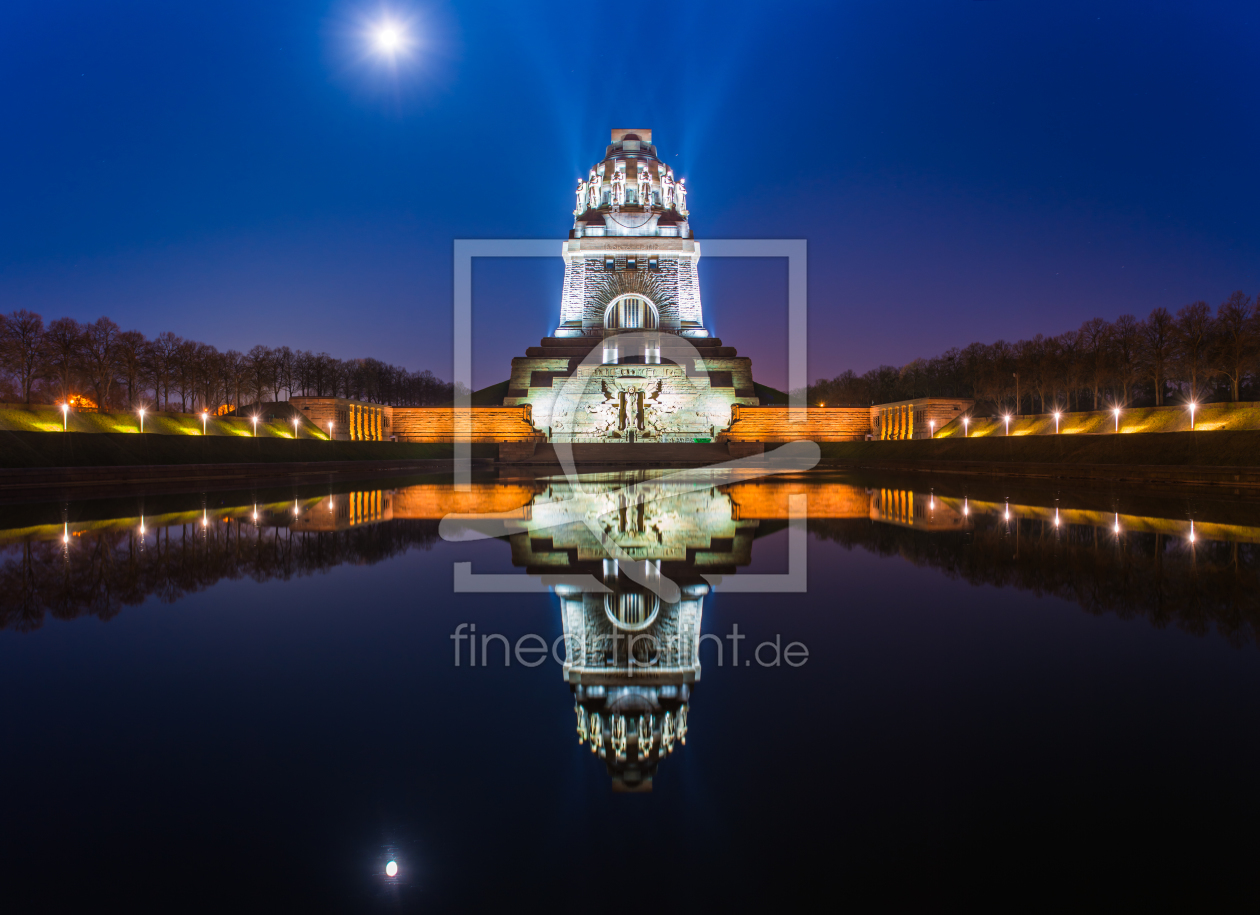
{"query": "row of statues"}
pixel 590 191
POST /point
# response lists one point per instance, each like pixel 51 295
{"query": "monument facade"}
pixel 631 359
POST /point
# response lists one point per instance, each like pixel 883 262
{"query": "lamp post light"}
pixel 931 428
pixel 1057 414
pixel 295 427
pixel 1192 406
pixel 1007 417
pixel 65 417
pixel 966 423
pixel 142 419
pixel 1117 412
pixel 255 418
pixel 330 438
pixel 204 417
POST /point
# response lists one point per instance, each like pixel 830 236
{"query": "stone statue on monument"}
pixel 645 185
pixel 618 187
pixel 667 188
pixel 581 197
pixel 680 192
pixel 594 185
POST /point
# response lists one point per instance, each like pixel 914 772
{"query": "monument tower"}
pixel 631 360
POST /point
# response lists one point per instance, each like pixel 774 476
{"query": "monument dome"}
pixel 630 262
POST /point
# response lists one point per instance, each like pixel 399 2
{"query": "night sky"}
pixel 246 173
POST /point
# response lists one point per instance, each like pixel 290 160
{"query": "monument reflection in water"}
pixel 632 642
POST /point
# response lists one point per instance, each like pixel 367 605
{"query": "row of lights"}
pixel 1006 417
pixel 205 417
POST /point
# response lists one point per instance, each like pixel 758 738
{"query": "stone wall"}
pixel 819 424
pixel 479 424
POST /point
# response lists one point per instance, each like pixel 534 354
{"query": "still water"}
pixel 640 692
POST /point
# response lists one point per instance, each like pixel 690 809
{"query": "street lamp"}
pixel 295 427
pixel 1057 414
pixel 966 423
pixel 255 418
pixel 142 419
pixel 330 438
pixel 65 417
pixel 1192 406
pixel 204 417
pixel 931 428
pixel 1007 418
pixel 1117 412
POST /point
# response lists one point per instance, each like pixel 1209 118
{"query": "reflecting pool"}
pixel 397 694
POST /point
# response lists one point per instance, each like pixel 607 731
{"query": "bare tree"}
pixel 285 370
pixel 1157 349
pixel 261 372
pixel 1237 339
pixel 23 347
pixel 63 344
pixel 163 356
pixel 232 364
pixel 1127 340
pixel 1193 337
pixel 131 358
pixel 1095 337
pixel 100 356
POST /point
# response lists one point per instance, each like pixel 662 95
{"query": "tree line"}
pixel 1193 355
pixel 100 365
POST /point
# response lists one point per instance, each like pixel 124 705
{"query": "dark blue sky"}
pixel 246 173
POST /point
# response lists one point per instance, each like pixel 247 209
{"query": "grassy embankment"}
pixel 1211 417
pixel 1216 448
pixel 46 418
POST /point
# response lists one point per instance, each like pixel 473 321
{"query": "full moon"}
pixel 389 38
pixel 391 869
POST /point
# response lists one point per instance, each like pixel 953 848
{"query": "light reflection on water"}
pixel 633 662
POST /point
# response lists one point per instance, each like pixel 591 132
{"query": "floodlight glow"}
pixel 142 419
pixel 1192 406
pixel 255 425
pixel 1117 412
pixel 204 417
pixel 391 869
pixel 931 428
pixel 1007 417
pixel 1056 422
pixel 65 416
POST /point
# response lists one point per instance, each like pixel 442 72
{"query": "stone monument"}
pixel 631 360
